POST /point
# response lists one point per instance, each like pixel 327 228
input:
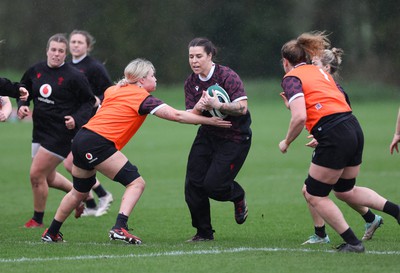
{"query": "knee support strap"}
pixel 344 185
pixel 317 188
pixel 84 185
pixel 127 174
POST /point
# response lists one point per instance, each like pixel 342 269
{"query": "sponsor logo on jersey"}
pixel 45 91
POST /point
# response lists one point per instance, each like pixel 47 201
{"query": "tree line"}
pixel 248 33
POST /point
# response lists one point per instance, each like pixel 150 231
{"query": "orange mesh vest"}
pixel 118 118
pixel 321 94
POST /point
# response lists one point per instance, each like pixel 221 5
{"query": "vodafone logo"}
pixel 45 90
pixel 89 156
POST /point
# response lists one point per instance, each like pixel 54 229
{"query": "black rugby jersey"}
pixel 57 92
pixel 96 74
pixel 233 85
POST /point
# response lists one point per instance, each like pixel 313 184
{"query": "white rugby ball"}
pixel 222 97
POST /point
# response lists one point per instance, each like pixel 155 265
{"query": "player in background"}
pixel 330 63
pixel 63 102
pixel 316 102
pixel 217 154
pixel 81 44
pixel 97 146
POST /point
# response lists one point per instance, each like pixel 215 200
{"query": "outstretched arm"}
pixel 169 113
pixel 8 88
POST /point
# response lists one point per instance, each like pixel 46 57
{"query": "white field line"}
pixel 183 253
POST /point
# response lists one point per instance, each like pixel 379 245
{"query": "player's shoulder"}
pixel 224 69
pixel 73 70
pixel 91 61
pixel 191 80
pixel 224 73
pixel 39 65
pixel 192 76
pixel 38 68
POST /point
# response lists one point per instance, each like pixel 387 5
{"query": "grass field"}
pixel 269 241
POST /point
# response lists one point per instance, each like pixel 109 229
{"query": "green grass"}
pixel 270 239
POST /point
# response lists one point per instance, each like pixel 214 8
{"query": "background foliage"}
pixel 249 33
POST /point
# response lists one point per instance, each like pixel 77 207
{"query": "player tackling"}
pixel 97 146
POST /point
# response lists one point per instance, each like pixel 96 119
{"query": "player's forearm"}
pixel 8 88
pixel 295 127
pixel 236 108
pixel 397 132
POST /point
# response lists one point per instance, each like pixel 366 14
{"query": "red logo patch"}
pixel 46 90
pixel 89 156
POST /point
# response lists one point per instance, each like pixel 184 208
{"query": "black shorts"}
pixel 340 146
pixel 214 163
pixel 53 136
pixel 90 149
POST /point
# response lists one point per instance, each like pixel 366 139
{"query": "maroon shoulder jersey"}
pixel 233 85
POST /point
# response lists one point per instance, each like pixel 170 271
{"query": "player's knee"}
pixel 138 183
pixel 215 191
pixel 128 174
pixel 344 185
pixel 84 185
pixel 217 185
pixel 209 188
pixel 343 196
pixel 344 188
pixel 77 195
pixel 316 188
pixel 36 179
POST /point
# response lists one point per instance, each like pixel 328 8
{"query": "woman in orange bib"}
pixel 317 103
pixel 97 146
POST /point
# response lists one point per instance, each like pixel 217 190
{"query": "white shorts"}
pixel 36 146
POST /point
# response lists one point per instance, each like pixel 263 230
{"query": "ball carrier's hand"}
pixel 201 104
pixel 211 101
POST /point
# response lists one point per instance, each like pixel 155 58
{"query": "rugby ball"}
pixel 222 97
